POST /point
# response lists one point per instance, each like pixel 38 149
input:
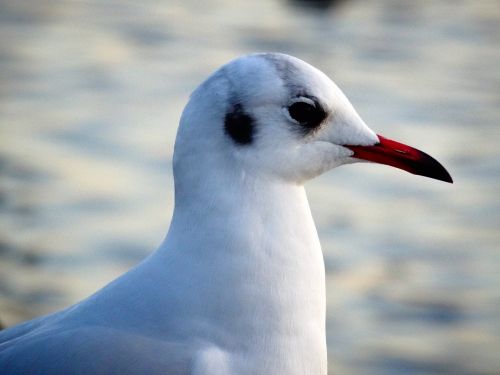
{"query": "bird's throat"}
pixel 266 250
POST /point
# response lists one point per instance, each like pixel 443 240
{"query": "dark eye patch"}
pixel 239 125
pixel 310 115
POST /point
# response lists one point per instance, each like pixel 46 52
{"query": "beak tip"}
pixel 445 177
pixel 429 167
pixel 448 178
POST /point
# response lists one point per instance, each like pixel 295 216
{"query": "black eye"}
pixel 309 115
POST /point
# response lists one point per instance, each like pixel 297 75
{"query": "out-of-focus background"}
pixel 90 97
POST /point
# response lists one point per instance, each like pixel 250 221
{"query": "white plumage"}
pixel 238 285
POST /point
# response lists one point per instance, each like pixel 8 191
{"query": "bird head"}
pixel 275 116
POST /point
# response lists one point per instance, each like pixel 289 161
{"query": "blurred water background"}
pixel 90 97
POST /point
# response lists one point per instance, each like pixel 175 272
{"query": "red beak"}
pixel 401 156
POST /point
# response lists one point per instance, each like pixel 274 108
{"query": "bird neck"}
pixel 244 215
pixel 252 248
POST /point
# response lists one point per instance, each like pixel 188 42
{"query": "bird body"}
pixel 238 285
pixel 227 304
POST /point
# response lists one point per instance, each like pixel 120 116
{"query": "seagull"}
pixel 238 284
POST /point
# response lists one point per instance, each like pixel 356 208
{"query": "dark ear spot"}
pixel 239 125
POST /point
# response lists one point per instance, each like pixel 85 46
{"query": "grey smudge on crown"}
pixel 286 71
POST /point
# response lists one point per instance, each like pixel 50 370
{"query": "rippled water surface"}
pixel 90 96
